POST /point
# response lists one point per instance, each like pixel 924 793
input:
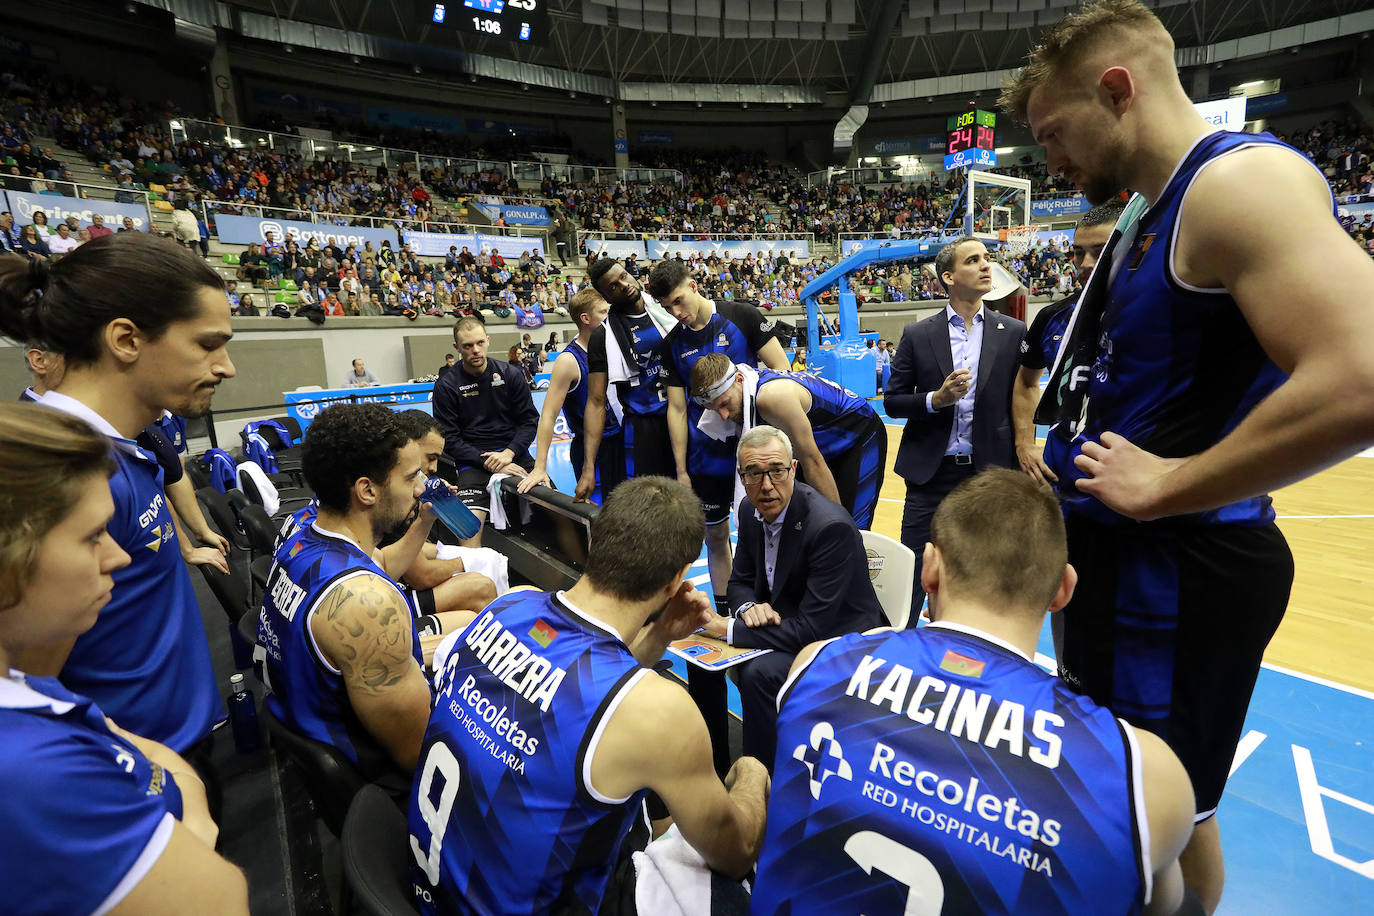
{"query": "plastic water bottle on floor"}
pixel 243 715
pixel 451 510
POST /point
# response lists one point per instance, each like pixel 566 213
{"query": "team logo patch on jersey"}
pixel 295 548
pixel 956 663
pixel 542 633
pixel 156 543
pixel 722 341
pixel 1140 249
pixel 823 757
pixel 768 325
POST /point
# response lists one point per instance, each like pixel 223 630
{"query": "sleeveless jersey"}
pixel 146 661
pixel 939 766
pixel 575 404
pixel 523 693
pixel 86 815
pixel 840 419
pixel 1177 366
pixel 308 694
pixel 738 331
pixel 297 520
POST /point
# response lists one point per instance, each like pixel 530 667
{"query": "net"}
pixel 1019 239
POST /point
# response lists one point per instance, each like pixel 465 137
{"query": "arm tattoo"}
pixel 368 634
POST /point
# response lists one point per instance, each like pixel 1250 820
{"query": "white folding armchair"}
pixel 892 567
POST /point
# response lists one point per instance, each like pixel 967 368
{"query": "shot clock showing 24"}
pixel 525 21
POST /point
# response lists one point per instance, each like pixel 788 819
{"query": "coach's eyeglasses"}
pixel 754 476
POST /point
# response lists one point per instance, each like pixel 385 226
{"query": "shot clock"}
pixel 972 140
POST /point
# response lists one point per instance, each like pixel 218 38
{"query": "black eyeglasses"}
pixel 753 477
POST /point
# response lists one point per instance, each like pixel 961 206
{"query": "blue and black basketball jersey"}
pixel 146 661
pixel 944 766
pixel 735 329
pixel 1177 366
pixel 174 429
pixel 575 404
pixel 308 694
pixel 297 520
pixel 503 817
pixel 840 419
pixel 643 395
pixel 1041 343
pixel 86 814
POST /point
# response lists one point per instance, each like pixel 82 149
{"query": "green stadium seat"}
pixel 231 259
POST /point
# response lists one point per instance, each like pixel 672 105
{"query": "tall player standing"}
pixel 1206 388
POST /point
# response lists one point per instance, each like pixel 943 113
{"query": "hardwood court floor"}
pixel 1328 520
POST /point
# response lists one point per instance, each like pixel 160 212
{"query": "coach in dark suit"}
pixel 952 379
pixel 800 574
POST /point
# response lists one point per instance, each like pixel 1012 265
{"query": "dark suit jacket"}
pixel 821 585
pixel 922 363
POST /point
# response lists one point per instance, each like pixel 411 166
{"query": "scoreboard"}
pixel 520 21
pixel 972 140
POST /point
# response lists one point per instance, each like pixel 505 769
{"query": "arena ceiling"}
pixel 820 44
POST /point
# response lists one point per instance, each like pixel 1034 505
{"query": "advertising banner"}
pixel 1053 207
pixel 516 215
pixel 1228 114
pixel 730 248
pixel 241 230
pixel 304 406
pixel 436 244
pixel 58 207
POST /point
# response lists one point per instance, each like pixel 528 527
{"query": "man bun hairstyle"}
pixel 151 281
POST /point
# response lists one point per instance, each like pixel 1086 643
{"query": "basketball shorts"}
pixel 610 462
pixel 1167 628
pixel 716 494
pixel 648 450
pixel 421 600
pixel 859 474
pixel 472 484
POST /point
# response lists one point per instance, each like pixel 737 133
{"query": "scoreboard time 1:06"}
pixel 508 20
pixel 972 130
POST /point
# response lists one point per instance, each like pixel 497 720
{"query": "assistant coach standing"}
pixel 952 378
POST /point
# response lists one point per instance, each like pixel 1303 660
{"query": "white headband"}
pixel 719 388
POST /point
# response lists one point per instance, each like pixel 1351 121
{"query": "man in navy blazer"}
pixel 952 379
pixel 800 574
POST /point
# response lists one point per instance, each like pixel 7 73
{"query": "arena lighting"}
pixel 698 104
pixel 417 70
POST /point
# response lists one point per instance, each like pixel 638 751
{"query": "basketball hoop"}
pixel 1019 239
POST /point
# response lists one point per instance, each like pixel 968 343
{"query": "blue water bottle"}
pixel 243 716
pixel 451 511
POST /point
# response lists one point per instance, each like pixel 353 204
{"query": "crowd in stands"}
pixel 732 192
pixel 344 280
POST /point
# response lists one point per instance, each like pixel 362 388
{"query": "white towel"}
pixel 496 515
pixel 620 369
pixel 712 425
pixel 671 879
pixel 270 501
pixel 490 563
